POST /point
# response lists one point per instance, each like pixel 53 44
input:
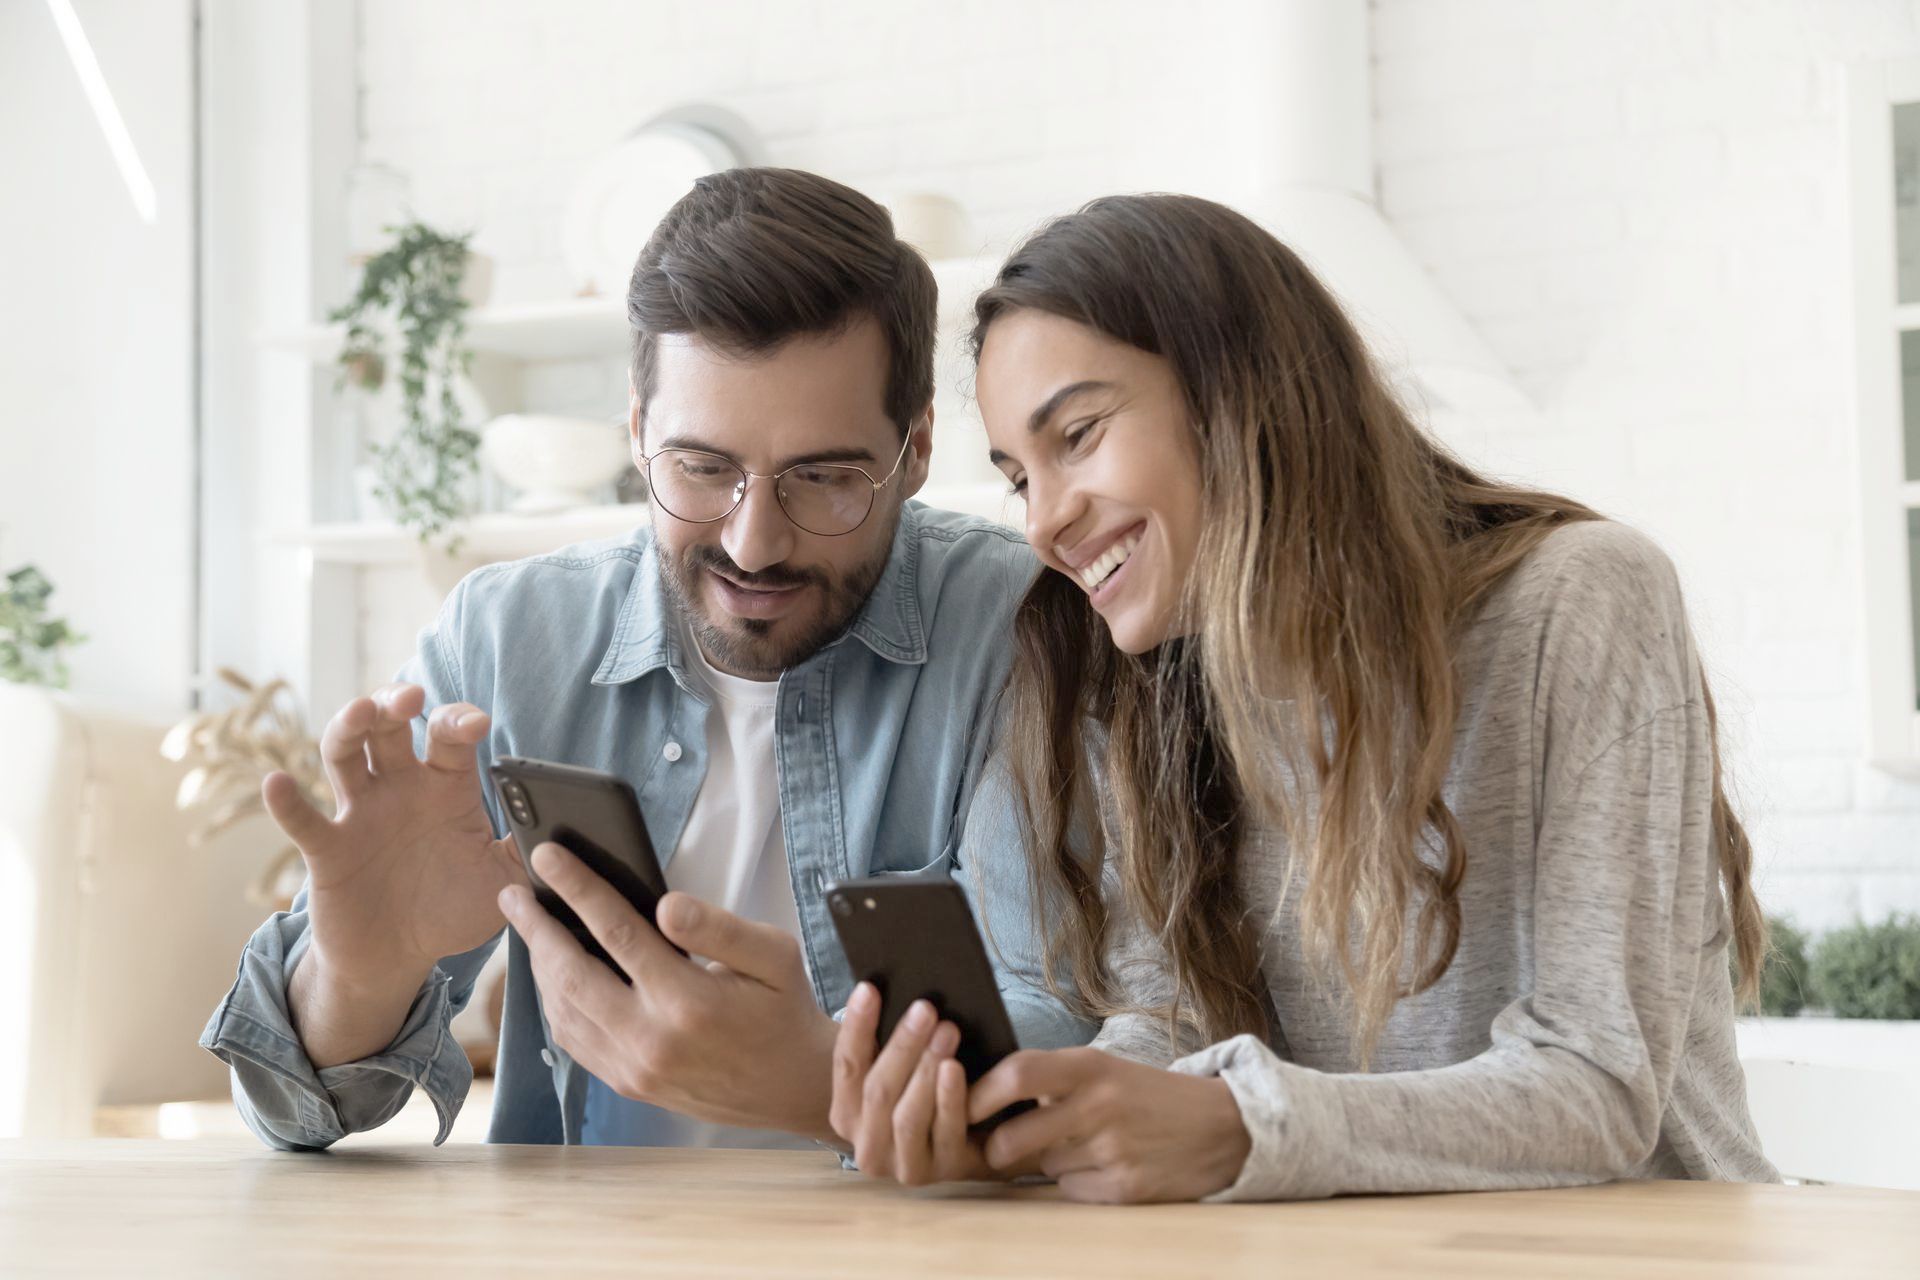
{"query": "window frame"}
pixel 1886 496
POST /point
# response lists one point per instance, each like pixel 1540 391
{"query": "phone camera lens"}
pixel 841 907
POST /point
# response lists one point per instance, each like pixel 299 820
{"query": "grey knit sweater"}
pixel 1585 1029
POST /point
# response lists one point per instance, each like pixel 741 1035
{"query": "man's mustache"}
pixel 772 578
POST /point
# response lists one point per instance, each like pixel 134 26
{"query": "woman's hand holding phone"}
pixel 903 1108
pixel 1107 1129
pixel 1111 1130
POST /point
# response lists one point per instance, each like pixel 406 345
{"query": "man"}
pixel 795 668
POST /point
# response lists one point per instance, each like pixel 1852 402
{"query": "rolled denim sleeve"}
pixel 278 1091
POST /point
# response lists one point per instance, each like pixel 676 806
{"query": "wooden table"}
pixel 120 1207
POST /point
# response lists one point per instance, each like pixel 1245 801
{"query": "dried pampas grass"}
pixel 231 752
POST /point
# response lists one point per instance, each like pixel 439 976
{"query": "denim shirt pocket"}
pixel 942 863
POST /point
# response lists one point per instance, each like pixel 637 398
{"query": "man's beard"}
pixel 747 646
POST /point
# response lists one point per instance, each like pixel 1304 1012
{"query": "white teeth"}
pixel 1100 570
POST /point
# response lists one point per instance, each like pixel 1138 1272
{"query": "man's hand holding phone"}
pixel 736 1039
pixel 406 871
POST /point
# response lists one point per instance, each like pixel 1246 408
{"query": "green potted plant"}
pixel 413 287
pixel 32 645
pixel 1848 997
pixel 1870 970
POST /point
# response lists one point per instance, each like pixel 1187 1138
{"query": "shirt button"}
pixel 546 1056
pixel 671 751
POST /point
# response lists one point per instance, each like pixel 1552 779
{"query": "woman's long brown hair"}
pixel 1342 553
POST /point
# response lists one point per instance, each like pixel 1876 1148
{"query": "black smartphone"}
pixel 914 938
pixel 595 817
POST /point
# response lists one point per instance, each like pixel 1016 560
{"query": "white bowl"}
pixel 554 462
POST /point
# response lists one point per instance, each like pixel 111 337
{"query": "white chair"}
pixel 116 938
pixel 1836 1100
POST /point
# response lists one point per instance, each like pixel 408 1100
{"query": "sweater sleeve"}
pixel 1572 1088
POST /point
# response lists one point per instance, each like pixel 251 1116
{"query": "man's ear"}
pixel 634 427
pixel 919 454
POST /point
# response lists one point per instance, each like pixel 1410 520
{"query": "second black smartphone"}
pixel 592 815
pixel 914 938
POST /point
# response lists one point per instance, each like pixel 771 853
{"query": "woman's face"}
pixel 1095 435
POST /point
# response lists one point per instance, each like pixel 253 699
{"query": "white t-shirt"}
pixel 734 855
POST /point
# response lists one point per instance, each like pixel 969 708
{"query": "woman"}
pixel 1418 874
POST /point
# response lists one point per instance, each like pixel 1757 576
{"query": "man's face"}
pixel 761 593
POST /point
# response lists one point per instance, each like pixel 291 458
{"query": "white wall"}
pixel 1642 205
pixel 96 345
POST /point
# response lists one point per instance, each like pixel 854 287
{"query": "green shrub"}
pixel 1783 981
pixel 1870 970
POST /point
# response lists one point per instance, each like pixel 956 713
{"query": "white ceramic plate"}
pixel 617 202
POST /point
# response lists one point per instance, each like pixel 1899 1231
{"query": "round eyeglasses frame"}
pixel 748 477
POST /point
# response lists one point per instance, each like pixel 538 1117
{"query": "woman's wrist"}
pixel 1229 1143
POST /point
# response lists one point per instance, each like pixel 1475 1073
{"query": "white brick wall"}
pixel 1639 202
pixel 1642 204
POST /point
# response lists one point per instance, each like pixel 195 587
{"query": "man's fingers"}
pixel 624 932
pixel 453 730
pixel 390 740
pixel 303 824
pixel 505 856
pixel 767 954
pixel 343 749
pixel 563 970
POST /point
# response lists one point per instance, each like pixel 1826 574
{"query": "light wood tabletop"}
pixel 226 1206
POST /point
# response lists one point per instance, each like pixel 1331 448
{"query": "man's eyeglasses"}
pixel 825 498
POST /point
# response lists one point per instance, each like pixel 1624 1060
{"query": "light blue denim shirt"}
pixel 882 743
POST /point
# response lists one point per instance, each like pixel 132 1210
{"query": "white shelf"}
pixel 592 328
pixel 494 536
pixel 505 536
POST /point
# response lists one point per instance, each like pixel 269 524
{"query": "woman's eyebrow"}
pixel 1037 420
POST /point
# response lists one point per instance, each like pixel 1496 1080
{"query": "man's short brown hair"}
pixel 752 257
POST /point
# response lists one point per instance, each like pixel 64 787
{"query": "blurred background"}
pixel 313 305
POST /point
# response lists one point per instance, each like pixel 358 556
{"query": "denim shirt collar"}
pixel 889 623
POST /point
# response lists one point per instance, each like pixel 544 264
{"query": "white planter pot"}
pixel 1879 1044
pixel 1836 1099
pixel 555 463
